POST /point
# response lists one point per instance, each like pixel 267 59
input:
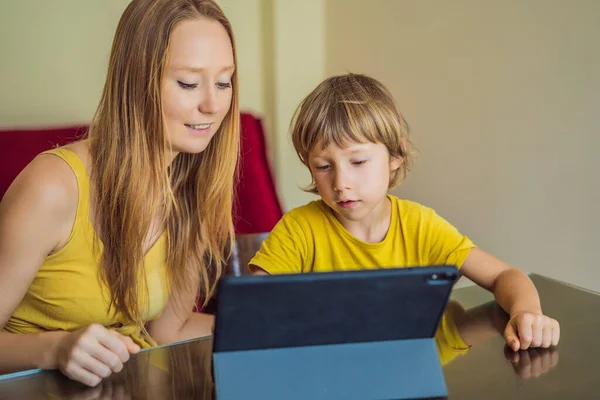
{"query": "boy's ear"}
pixel 395 163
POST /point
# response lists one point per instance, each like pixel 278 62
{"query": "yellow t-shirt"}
pixel 448 340
pixel 311 239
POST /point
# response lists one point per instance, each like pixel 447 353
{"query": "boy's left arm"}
pixel 516 294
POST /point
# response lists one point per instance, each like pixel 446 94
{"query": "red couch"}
pixel 257 208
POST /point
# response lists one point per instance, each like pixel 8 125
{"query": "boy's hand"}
pixel 525 330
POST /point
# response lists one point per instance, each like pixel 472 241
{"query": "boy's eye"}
pixel 322 167
pixel 187 86
pixel 359 162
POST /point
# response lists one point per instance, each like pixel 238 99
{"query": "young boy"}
pixel 355 142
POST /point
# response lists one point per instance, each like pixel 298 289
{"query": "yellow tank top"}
pixel 67 292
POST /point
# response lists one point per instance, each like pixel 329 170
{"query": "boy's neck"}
pixel 373 227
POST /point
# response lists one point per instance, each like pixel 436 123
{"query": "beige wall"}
pixel 503 98
pixel 299 66
pixel 54 58
pixel 281 50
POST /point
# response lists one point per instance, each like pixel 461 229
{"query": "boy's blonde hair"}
pixel 349 109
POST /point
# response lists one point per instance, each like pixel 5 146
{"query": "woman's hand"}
pixel 93 353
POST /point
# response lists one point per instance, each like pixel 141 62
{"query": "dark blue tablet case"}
pixel 354 335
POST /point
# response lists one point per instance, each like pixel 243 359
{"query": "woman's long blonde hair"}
pixel 131 175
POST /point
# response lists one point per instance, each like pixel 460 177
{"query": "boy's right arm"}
pixel 36 217
pixel 283 251
pixel 257 270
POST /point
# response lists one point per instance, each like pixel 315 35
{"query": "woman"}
pixel 105 243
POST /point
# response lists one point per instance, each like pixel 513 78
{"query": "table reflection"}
pixel 184 370
pixel 461 329
pixel 180 371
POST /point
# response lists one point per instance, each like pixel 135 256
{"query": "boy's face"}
pixel 353 180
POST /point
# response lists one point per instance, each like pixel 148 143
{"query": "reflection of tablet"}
pixel 282 311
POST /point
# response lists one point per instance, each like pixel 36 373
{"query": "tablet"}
pixel 311 309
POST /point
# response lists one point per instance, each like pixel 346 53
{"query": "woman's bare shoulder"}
pixel 46 188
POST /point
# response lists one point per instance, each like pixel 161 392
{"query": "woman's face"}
pixel 196 87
